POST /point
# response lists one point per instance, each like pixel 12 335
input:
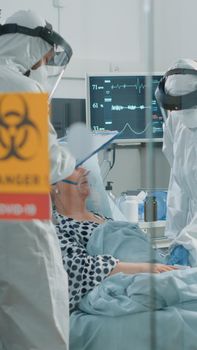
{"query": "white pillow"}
pixel 99 201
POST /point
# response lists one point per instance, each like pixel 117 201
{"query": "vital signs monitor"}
pixel 117 102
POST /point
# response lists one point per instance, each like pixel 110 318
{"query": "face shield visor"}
pixel 183 101
pixel 52 64
pixel 57 62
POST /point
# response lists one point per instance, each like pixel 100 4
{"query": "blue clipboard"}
pixel 99 148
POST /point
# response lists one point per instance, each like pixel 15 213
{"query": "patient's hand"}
pixel 158 268
pixel 132 268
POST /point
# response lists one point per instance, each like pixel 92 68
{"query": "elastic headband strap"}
pixel 46 33
pixel 180 71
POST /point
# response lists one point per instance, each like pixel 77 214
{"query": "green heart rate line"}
pixel 139 86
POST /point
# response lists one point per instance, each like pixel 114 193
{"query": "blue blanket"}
pixel 123 240
pixel 129 302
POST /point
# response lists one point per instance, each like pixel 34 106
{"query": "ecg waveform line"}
pixel 127 125
pixel 138 86
pixel 130 107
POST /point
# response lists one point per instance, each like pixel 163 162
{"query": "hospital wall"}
pixel 108 36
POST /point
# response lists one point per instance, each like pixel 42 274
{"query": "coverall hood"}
pixel 177 85
pixel 21 51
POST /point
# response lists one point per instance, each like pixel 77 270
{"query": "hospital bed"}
pixel 140 312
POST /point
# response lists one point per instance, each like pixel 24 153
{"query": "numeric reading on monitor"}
pixel 118 103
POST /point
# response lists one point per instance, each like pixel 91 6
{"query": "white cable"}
pixel 58 16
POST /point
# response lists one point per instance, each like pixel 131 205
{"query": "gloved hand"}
pixel 179 256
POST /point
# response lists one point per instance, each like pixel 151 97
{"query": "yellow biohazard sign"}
pixel 24 161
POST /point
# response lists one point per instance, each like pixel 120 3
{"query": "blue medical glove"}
pixel 178 256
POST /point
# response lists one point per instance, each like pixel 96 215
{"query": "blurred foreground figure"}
pixel 33 283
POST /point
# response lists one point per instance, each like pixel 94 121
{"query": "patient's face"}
pixel 80 176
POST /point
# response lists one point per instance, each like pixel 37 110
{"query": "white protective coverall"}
pixel 180 148
pixel 34 312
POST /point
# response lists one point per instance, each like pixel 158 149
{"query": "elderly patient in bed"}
pixel 75 225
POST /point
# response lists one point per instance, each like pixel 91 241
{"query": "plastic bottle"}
pixel 129 207
pixel 150 209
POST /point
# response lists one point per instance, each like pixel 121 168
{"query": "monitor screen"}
pixel 117 102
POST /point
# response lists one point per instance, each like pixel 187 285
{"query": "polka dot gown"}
pixel 84 271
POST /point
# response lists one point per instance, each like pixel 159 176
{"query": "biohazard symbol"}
pixel 19 136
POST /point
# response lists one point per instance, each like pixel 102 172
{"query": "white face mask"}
pixel 188 118
pixel 48 77
pixel 40 75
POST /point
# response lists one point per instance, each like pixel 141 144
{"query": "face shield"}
pixel 58 61
pixel 51 67
pixel 178 96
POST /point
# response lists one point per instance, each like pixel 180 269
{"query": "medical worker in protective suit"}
pixel 177 96
pixel 33 284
